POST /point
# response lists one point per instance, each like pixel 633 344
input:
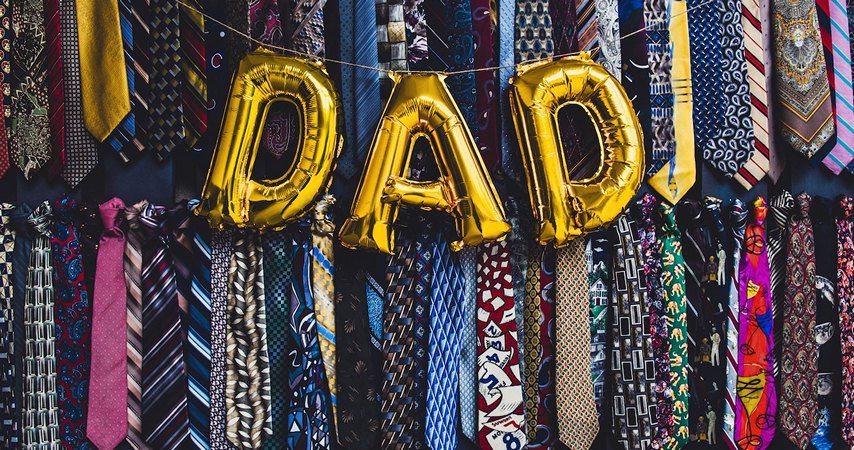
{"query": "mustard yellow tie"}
pixel 104 85
pixel 678 175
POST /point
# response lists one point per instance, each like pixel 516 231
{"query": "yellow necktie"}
pixel 679 174
pixel 103 79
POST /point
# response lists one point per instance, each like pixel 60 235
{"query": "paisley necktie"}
pixel 845 294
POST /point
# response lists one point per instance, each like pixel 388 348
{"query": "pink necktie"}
pixel 843 152
pixel 108 385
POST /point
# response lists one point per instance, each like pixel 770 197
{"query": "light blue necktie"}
pixel 468 351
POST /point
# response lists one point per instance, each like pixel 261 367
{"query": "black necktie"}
pixel 20 263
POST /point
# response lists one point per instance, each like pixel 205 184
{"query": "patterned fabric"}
pixel 631 358
pixel 323 290
pixel 755 386
pixel 6 79
pixel 122 138
pixel 24 235
pixel 391 41
pixel 500 404
pixel 468 350
pixel 247 389
pixel 598 255
pixel 222 248
pixel 265 22
pixel 166 110
pixel 193 66
pixel 141 66
pixel 307 27
pixel 9 421
pixel 29 140
pixel 576 406
pixel 775 230
pixel 656 18
pixel 842 153
pixel 705 36
pixel 845 294
pixel 635 73
pixel 486 131
pixel 536 352
pixel 533 31
pixel 736 222
pixel 415 19
pixel 127 138
pixel 217 77
pixel 56 93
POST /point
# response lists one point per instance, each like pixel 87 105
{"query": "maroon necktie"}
pixel 56 94
pixel 4 147
pixel 845 294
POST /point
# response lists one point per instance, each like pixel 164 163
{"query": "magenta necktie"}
pixel 107 421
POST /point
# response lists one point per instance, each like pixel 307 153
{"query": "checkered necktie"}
pixel 166 110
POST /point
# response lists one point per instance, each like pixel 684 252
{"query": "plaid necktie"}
pixel 73 323
pixel 222 250
pixel 323 290
pixel 468 350
pixel 736 222
pixel 165 113
pixel 391 41
pixel 9 421
pixel 845 294
pixel 247 389
pixel 500 400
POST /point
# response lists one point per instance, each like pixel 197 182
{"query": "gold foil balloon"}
pixel 230 196
pixel 566 208
pixel 420 105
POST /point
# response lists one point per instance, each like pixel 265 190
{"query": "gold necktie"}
pixel 532 342
pixel 322 269
pixel 679 174
pixel 104 85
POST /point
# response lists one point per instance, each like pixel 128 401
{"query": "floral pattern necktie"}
pixel 845 294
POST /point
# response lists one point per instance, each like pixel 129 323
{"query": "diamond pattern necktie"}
pixel 323 290
pixel 468 350
pixel 805 110
pixel 533 347
pixel 736 221
pixel 165 424
pixel 278 267
pixel 222 249
pixel 72 313
pixel 842 152
pixel 9 421
pixel 660 86
pixel 845 294
pixel 29 140
pixel 755 386
pixel 107 414
pixel 124 138
pixel 194 95
pixel 799 371
pixel 444 349
pixel 576 407
pixel 166 110
pixel 500 401
pixel 247 389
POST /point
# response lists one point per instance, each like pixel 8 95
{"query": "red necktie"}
pixel 56 93
pixel 4 149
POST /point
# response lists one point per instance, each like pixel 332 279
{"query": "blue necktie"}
pixel 506 59
pixel 126 131
pixel 468 350
pixel 705 40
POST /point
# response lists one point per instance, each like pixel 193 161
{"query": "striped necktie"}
pixel 736 222
pixel 468 350
pixel 842 152
pixel 194 95
pixel 222 249
pixel 780 208
pixel 9 421
pixel 166 110
pixel 845 294
pixel 124 139
pixel 55 88
pixel 323 290
pixel 142 69
pixel 598 32
pixel 133 280
pixel 164 382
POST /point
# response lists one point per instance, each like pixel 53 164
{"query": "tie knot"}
pixel 804 201
pixel 760 210
pixel 712 204
pixel 133 213
pixel 64 209
pixel 846 206
pixel 690 213
pixel 668 217
pixel 322 224
pixel 153 217
pixel 646 205
pixel 737 214
pixel 111 214
pixel 40 219
pixel 18 218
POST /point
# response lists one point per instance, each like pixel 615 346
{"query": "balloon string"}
pixel 444 72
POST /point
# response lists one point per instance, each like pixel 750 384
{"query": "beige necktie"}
pixel 322 269
pixel 576 406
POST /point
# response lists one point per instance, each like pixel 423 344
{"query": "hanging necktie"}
pixel 4 137
pixel 142 68
pixel 24 235
pixel 309 410
pixel 125 139
pixel 845 294
pixel 468 349
pixel 451 48
pixel 415 18
pixel 533 31
pixel 704 37
pixel 165 112
pixel 306 27
pixel 780 208
pixel 217 76
pixel 598 267
pixel 842 152
pixel 518 249
pixel 634 383
pixel 265 25
pixel 540 427
pixel 805 109
pixel 635 73
pixel 8 38
pixel 486 130
pixel 505 33
pixel 278 267
pixel 358 371
pixel 194 95
pixel 736 221
pixel 72 313
pixel 655 15
pixel 599 32
pixel 664 394
pixel 391 41
pixel 799 371
pixel 678 174
pixel 247 389
pixel 56 93
pixel 29 140
pixel 755 386
pixel 323 290
pixel 578 422
pixel 107 413
pixel 9 421
pixel 222 249
pixel 164 399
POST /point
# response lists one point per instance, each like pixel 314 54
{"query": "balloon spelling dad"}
pixel 420 105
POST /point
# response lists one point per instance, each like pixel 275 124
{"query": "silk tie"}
pixel 24 236
pixel 56 92
pixel 72 313
pixel 164 399
pixel 30 132
pixel 4 135
pixel 194 96
pixel 664 395
pixel 391 41
pixel 165 111
pixel 518 249
pixel 534 352
pixel 634 377
pixel 451 48
pixel 842 152
pixel 533 31
pixel 635 61
pixel 323 288
pixel 704 38
pixel 805 110
pixel 660 86
pixel 107 414
pixel 124 139
pixel 505 33
pixel 217 77
pixel 468 350
pixel 415 18
pixel 780 208
pixel 736 221
pixel 599 31
pixel 9 421
pixel 483 31
pixel 222 249
pixel 6 79
pixel 141 65
pixel 133 280
pixel 577 419
pixel 598 266
pixel 845 294
pixel 755 386
pixel 247 390
pixel 421 325
pixel 307 27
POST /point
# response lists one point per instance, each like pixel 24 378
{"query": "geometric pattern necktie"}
pixel 307 27
pixel 799 371
pixel 468 349
pixel 72 313
pixel 29 139
pixel 803 90
pixel 755 386
pixel 107 414
pixel 660 87
pixel 534 352
pixel 323 290
pixel 578 422
pixel 9 421
pixel 222 249
pixel 845 294
pixel 842 153
pixel 533 31
pixel 736 221
pixel 704 33
pixel 598 254
pixel 24 235
pixel 165 113
pixel 501 421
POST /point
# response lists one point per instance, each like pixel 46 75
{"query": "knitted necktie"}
pixel 673 282
pixel 222 250
pixel 805 109
pixel 107 414
pixel 9 421
pixel 842 152
pixel 845 294
pixel 166 111
pixel 247 389
pixel 755 386
pixel 736 222
pixel 634 381
pixel 468 350
pixel 651 260
pixel 578 422
pixel 72 313
pixel 164 399
pixel 799 371
pixel 323 290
